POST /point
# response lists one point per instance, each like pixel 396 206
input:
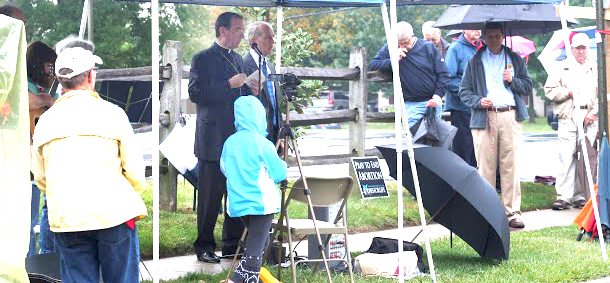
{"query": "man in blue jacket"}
pixel 423 75
pixel 494 84
pixel 460 51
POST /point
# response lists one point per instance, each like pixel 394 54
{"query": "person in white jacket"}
pixel 573 91
pixel 253 169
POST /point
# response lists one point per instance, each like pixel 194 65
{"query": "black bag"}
pixel 381 245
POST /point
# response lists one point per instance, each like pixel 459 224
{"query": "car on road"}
pixel 333 99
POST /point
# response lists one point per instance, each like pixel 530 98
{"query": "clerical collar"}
pixel 223 48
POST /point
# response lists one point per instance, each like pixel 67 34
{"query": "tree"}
pixel 121 30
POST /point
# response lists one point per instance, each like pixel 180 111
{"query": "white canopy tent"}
pixel 400 118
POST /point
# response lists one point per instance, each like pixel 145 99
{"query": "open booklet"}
pixel 252 80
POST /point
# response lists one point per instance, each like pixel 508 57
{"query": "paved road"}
pixel 539 151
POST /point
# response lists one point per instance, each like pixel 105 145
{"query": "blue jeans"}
pixel 35 209
pixel 416 111
pixel 114 250
pixel 46 239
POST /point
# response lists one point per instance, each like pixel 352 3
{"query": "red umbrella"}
pixel 521 45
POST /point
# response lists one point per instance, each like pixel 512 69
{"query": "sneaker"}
pixel 579 204
pixel 561 204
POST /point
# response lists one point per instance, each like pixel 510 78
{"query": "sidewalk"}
pixel 174 267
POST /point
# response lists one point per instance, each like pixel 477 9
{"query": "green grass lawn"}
pixel 547 255
pixel 539 126
pixel 178 230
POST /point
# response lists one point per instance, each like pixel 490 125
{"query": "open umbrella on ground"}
pixel 517 19
pixel 457 197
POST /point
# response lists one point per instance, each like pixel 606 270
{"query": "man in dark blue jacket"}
pixel 423 75
pixel 216 79
pixel 460 51
pixel 494 84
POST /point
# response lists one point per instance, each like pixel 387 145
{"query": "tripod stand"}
pixel 287 135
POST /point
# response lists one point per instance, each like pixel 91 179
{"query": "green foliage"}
pixel 121 30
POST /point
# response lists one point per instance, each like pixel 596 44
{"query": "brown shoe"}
pixel 561 205
pixel 516 223
pixel 579 204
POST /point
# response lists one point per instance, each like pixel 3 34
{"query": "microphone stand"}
pixel 260 65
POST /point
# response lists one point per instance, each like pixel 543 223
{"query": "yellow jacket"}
pixel 87 163
pixel 582 80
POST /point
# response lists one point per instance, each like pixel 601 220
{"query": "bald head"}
pixel 404 30
pixel 430 32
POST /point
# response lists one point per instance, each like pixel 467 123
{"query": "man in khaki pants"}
pixel 573 90
pixel 493 86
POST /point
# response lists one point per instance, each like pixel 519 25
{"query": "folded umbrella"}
pixel 457 197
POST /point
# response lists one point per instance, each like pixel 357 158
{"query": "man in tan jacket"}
pixel 89 166
pixel 573 90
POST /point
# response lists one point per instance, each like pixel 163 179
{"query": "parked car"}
pixel 334 99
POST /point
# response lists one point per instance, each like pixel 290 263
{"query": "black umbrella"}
pixel 457 197
pixel 517 19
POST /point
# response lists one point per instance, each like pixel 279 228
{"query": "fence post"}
pixel 169 115
pixel 358 91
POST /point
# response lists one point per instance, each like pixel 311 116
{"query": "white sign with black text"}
pixel 369 177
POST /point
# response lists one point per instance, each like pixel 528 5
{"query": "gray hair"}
pixel 253 30
pixel 73 41
pixel 427 28
pixel 403 28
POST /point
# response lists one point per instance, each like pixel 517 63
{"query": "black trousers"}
pixel 462 143
pixel 212 187
pixel 250 264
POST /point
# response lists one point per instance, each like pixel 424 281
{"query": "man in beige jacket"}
pixel 573 90
pixel 90 168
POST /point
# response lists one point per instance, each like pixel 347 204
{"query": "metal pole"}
pixel 83 20
pixel 400 111
pixel 601 68
pixel 155 130
pixel 90 22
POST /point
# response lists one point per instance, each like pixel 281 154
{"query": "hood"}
pixel 250 115
pixel 462 40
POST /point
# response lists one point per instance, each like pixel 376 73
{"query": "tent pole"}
pixel 601 69
pixel 83 20
pixel 390 36
pixel 400 112
pixel 90 21
pixel 154 10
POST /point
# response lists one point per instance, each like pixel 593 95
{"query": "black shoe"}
pixel 516 223
pixel 561 204
pixel 210 257
pixel 579 204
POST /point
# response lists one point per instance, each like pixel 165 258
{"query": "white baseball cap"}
pixel 77 59
pixel 581 39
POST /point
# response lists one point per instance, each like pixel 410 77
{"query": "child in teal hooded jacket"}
pixel 253 168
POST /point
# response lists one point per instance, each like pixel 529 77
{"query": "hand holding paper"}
pixel 252 82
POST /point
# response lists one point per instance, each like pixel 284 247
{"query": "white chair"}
pixel 325 192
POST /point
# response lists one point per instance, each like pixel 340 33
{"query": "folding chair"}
pixel 325 192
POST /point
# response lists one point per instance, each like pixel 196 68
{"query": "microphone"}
pixel 256 49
